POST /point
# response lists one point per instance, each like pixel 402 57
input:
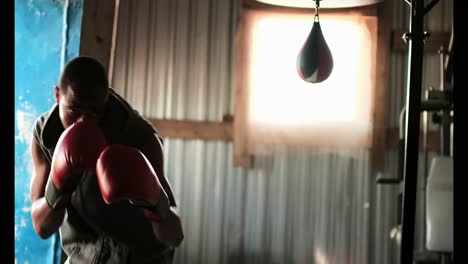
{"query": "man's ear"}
pixel 57 94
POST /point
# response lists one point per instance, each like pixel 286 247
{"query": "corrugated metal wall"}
pixel 173 60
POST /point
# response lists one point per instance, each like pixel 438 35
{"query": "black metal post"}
pixel 445 124
pixel 413 104
pixel 445 133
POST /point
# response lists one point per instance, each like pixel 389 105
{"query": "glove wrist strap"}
pixel 55 198
pixel 160 211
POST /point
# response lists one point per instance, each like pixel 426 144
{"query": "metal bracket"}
pixel 389 181
pixel 409 35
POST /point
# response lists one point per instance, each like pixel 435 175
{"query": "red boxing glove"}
pixel 76 153
pixel 124 173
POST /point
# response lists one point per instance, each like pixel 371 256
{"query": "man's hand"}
pixel 77 151
pixel 124 173
pixel 52 184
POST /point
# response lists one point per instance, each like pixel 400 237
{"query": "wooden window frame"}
pixel 242 155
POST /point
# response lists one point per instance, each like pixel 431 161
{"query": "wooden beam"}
pixel 223 131
pixel 433 140
pixel 448 63
pixel 242 157
pixel 380 100
pixel 97 28
pixel 114 37
pixel 433 44
pixel 188 129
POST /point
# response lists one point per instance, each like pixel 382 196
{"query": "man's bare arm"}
pixel 170 230
pixel 45 220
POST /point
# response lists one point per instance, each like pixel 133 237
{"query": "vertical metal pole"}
pixel 425 150
pixel 451 134
pixel 445 133
pixel 445 113
pixel 413 106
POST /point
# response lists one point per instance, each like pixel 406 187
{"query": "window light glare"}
pixel 278 95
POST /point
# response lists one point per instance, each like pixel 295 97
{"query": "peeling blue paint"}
pixel 38 48
pixel 75 12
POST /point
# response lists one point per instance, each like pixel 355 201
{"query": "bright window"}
pixel 282 108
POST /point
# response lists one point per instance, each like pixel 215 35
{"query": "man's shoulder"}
pixel 136 121
pixel 44 131
pixel 43 118
pixel 140 125
pixel 137 127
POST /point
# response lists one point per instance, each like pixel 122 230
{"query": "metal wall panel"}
pixel 173 60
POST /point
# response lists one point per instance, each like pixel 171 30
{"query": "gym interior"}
pixel 294 131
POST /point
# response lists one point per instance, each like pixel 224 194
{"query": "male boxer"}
pixel 98 175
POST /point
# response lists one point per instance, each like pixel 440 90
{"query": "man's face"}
pixel 74 107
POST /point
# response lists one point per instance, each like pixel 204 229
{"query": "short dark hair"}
pixel 85 73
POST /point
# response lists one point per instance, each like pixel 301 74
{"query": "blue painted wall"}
pixel 41 48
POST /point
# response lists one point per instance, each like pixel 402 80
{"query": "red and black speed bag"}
pixel 314 63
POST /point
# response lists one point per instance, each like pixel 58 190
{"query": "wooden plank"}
pixel 448 63
pixel 433 44
pixel 224 131
pixel 114 37
pixel 381 66
pixel 433 140
pixel 188 129
pixel 242 157
pixel 380 100
pixel 97 30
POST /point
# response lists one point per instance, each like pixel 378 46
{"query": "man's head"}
pixel 82 91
